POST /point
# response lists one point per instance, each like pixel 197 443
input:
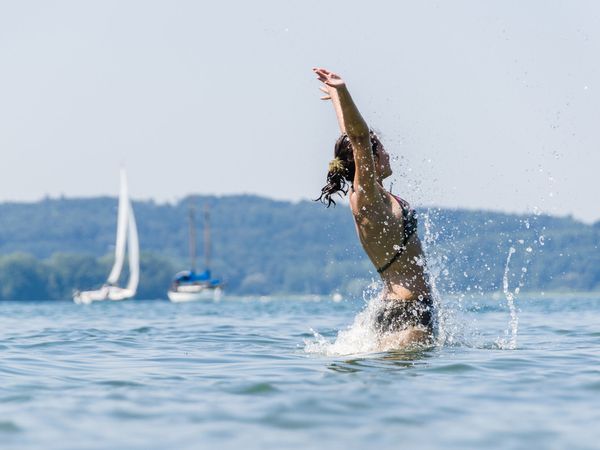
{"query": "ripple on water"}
pixel 455 368
pixel 142 330
pixel 130 414
pixel 565 332
pixel 594 386
pixel 7 426
pixel 402 420
pixel 19 398
pixel 43 344
pixel 286 422
pixel 121 383
pixel 255 389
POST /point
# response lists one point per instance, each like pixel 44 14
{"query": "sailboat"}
pixel 127 236
pixel 188 285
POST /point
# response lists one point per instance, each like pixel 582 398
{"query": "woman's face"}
pixel 382 163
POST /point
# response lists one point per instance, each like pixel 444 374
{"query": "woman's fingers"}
pixel 327 96
pixel 326 73
pixel 321 73
pixel 328 78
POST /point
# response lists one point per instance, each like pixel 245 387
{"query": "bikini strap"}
pixel 396 256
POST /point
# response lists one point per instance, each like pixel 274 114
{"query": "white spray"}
pixel 510 339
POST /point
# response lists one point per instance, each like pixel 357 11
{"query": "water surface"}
pixel 256 374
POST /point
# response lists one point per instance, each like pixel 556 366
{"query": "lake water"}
pixel 273 373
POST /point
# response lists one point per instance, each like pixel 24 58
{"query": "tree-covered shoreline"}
pixel 268 247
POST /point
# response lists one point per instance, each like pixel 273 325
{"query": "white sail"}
pixel 122 220
pixel 134 254
pixel 127 235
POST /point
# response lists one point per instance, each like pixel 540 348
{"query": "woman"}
pixel 386 224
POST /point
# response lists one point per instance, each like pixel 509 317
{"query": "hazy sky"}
pixel 490 105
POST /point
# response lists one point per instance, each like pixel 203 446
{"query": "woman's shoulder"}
pixel 378 213
pixel 403 203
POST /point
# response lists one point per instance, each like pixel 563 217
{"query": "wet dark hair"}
pixel 341 176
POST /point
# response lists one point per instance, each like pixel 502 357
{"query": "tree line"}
pixel 262 246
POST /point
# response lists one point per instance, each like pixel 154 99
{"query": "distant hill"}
pixel 263 246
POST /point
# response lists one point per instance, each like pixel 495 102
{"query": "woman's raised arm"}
pixel 352 123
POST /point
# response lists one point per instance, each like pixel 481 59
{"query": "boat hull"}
pixel 87 297
pixel 113 293
pixel 188 295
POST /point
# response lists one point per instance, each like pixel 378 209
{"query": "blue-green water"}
pixel 251 374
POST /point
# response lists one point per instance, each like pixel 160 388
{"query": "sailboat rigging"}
pixel 188 285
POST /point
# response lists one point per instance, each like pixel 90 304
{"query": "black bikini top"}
pixel 409 219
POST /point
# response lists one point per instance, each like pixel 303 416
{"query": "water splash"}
pixel 456 323
pixel 510 334
pixel 451 330
pixel 435 270
pixel 360 337
pixel 363 337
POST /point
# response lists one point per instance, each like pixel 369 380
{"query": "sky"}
pixel 491 105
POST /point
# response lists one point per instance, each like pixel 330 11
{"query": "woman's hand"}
pixel 332 82
pixel 346 112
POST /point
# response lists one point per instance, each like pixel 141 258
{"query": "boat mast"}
pixel 192 239
pixel 206 237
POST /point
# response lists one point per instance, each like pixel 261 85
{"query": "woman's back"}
pixel 389 238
